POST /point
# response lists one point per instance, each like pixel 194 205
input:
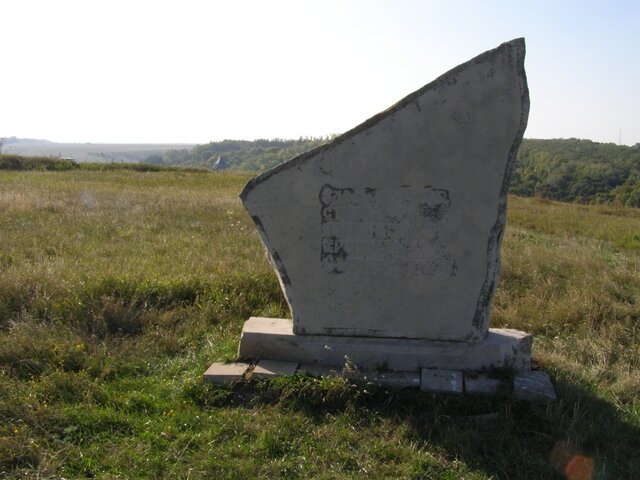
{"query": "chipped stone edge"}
pixel 433 380
pixel 481 317
pixel 220 373
pixel 534 386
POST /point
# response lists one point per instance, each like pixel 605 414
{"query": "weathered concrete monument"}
pixel 386 241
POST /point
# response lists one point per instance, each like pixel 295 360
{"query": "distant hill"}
pixel 87 152
pixel 51 164
pixel 24 142
pixel 569 170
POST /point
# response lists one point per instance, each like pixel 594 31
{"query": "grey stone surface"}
pixel 388 379
pixel 316 370
pixel 534 386
pixel 225 373
pixel 394 228
pixel 394 379
pixel 483 384
pixel 273 339
pixel 273 368
pixel 441 381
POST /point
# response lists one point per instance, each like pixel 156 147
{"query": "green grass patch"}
pixel 119 287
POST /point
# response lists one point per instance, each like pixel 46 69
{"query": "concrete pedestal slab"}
pixel 273 339
pixel 395 380
pixel 534 387
pixel 225 373
pixel 273 368
pixel 483 384
pixel 441 381
pixel 316 370
pixel 388 379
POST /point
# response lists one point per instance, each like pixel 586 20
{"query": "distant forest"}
pixel 572 170
pixel 238 155
pixel 568 170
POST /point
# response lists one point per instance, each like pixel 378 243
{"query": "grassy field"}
pixel 119 288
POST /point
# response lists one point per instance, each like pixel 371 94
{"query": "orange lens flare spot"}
pixel 564 459
pixel 579 468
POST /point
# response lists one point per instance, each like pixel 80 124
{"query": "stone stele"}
pixel 394 228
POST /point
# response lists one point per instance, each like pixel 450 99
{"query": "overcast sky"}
pixel 197 71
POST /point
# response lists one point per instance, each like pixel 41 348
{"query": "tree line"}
pixel 239 155
pixel 568 170
pixel 572 170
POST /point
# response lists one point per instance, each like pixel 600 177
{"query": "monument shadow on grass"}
pixel 582 436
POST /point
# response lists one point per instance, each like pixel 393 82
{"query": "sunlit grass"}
pixel 118 288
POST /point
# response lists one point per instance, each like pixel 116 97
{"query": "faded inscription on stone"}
pixel 399 227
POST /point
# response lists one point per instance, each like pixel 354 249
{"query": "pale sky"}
pixel 138 71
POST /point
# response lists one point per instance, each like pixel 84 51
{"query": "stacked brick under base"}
pixel 533 386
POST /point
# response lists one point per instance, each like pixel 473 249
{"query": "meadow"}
pixel 118 288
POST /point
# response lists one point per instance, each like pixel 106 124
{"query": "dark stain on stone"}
pixel 327 196
pixel 368 332
pixel 281 270
pixel 437 204
pixel 332 253
pixel 326 172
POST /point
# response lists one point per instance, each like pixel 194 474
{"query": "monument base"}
pixel 269 348
pixel 273 339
